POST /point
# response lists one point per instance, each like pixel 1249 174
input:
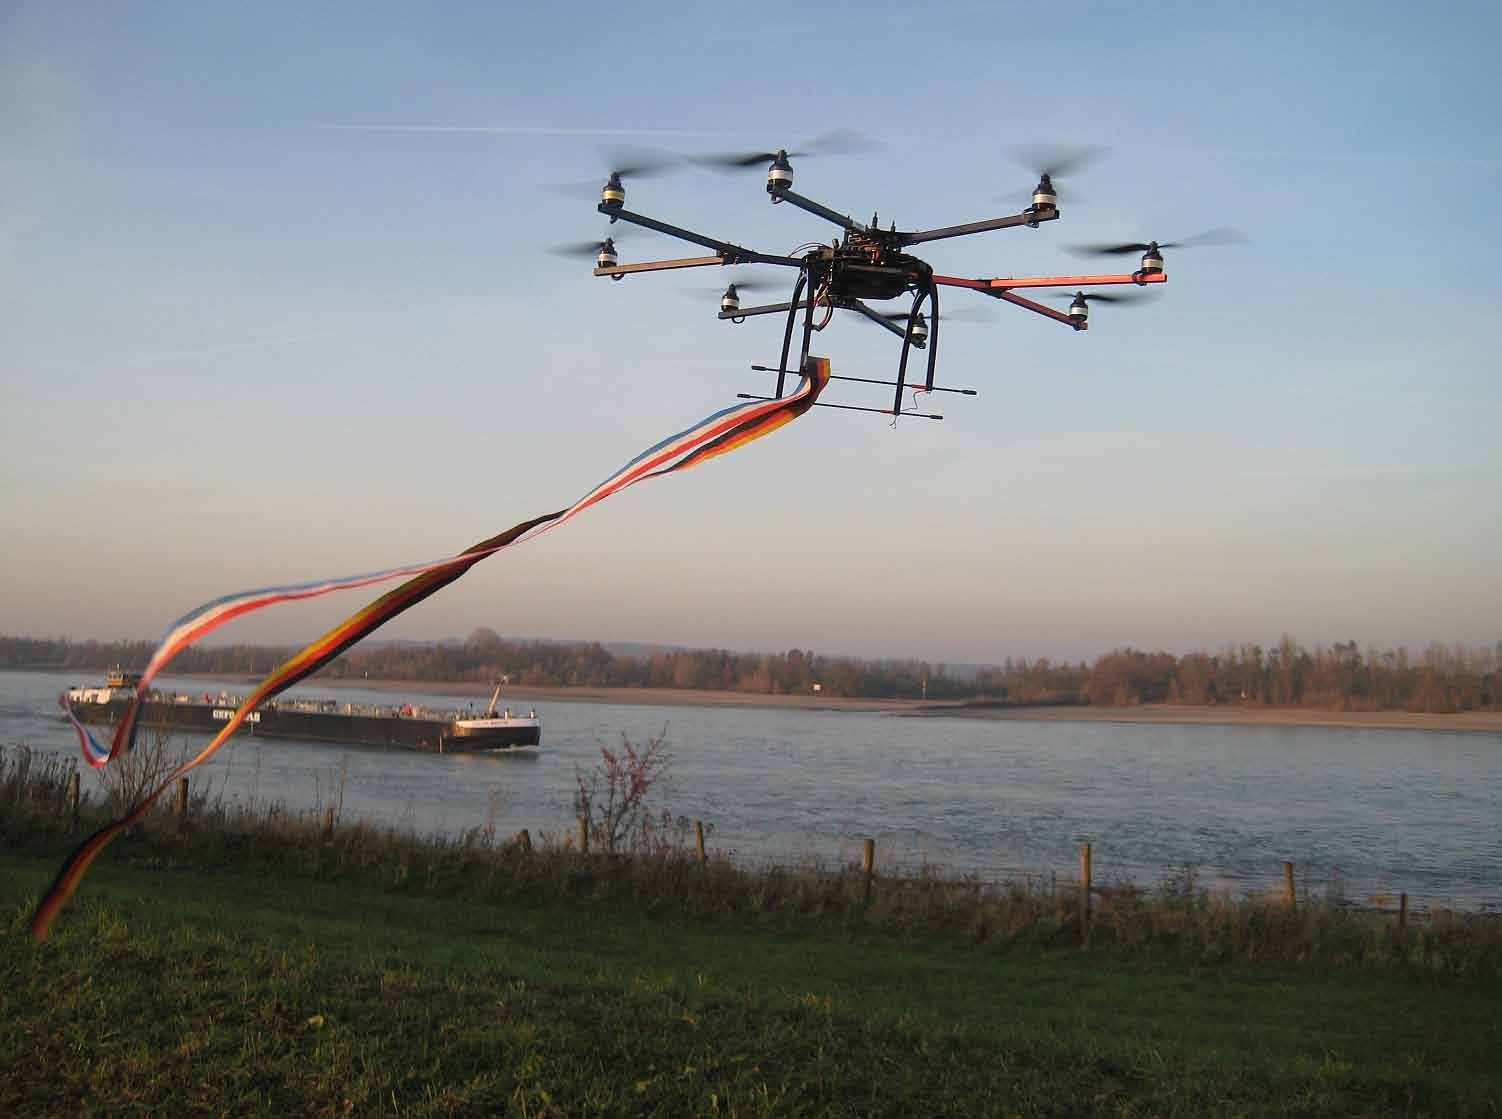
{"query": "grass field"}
pixel 176 989
pixel 253 963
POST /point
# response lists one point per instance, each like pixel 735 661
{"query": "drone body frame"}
pixel 866 262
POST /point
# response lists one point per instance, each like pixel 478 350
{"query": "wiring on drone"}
pixel 822 296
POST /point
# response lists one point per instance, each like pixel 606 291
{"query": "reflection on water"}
pixel 1361 811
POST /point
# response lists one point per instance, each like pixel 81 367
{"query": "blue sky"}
pixel 275 304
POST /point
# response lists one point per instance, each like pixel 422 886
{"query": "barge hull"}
pixel 392 731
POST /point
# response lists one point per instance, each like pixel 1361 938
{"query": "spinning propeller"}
pixel 916 326
pixel 841 141
pixel 730 298
pixel 1108 296
pixel 603 251
pixel 1051 161
pixel 738 161
pixel 1218 236
pixel 1079 307
pixel 623 163
pixel 638 163
pixel 584 248
pixel 742 284
pixel 1152 251
pixel 962 314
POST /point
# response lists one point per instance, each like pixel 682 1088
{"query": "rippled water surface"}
pixel 1358 811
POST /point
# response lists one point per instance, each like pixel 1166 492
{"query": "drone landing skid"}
pixel 849 407
pixel 869 381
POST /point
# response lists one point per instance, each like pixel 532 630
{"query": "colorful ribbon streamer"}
pixel 715 435
pixel 96 753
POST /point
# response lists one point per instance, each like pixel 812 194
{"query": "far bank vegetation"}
pixel 1340 677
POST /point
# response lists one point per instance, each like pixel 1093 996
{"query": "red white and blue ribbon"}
pixel 96 753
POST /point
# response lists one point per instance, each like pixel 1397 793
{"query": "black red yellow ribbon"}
pixel 716 434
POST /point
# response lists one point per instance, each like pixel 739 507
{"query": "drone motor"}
pixel 613 194
pixel 607 258
pixel 779 175
pixel 918 332
pixel 1044 196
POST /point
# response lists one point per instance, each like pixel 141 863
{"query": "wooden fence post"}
pixel 1290 895
pixel 1085 881
pixel 584 835
pixel 868 868
pixel 699 839
pixel 180 806
pixel 1402 913
pixel 73 796
pixel 524 838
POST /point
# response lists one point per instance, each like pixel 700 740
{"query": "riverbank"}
pixel 1489 722
pixel 641 697
pixel 226 989
pixel 244 959
pixel 1486 722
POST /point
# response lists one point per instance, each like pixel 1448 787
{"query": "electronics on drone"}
pixel 868 262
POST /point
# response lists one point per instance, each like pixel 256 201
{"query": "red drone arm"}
pixel 1006 283
pixel 1001 287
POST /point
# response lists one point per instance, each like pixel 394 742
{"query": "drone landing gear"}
pixel 915 317
pixel 873 381
pixel 848 407
pixel 807 306
pixel 918 332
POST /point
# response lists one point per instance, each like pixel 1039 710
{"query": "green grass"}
pixel 255 963
pixel 172 989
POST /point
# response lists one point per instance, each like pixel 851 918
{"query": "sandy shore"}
pixel 1489 722
pixel 645 697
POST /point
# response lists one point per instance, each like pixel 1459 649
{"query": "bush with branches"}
pixel 612 797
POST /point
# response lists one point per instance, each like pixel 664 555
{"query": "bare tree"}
pixel 612 796
pixel 135 773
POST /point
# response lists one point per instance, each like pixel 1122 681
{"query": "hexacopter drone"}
pixel 871 263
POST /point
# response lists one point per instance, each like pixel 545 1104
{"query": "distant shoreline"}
pixel 1487 722
pixel 1482 722
pixel 636 697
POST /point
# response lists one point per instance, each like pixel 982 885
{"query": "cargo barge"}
pixel 403 726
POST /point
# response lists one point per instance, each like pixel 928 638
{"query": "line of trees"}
pixel 1339 677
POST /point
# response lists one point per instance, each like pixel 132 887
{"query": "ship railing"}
pixel 304 705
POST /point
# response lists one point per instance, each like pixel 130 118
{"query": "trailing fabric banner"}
pixel 717 434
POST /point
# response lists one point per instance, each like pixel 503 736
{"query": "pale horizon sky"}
pixel 276 304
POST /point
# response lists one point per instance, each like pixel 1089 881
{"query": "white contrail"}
pixel 517 130
pixel 1330 157
pixel 690 133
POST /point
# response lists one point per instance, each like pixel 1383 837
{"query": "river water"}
pixel 1359 812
